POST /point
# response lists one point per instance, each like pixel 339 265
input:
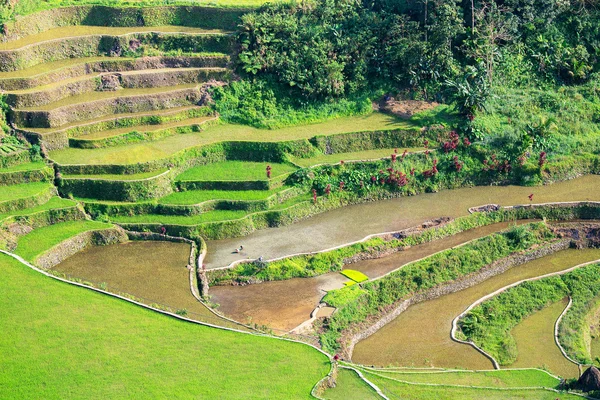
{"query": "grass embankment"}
pixel 209 216
pixel 32 166
pixel 351 156
pixel 490 324
pixel 234 171
pixel 54 203
pixel 517 378
pixel 191 197
pixel 356 303
pixel 400 390
pixel 350 386
pixel 143 152
pixel 40 240
pixel 93 346
pixel 23 190
pixel 317 264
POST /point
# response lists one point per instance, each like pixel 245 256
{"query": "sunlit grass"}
pixel 40 240
pixel 235 171
pixel 59 341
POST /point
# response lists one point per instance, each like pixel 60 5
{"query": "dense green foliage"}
pixel 489 324
pixel 332 48
pixel 523 74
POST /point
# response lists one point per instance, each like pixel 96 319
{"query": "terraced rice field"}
pixel 420 336
pixel 116 130
pixel 535 342
pixel 357 221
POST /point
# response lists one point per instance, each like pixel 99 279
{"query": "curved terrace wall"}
pixel 16 158
pixel 138 80
pixel 192 16
pixel 241 151
pixel 11 228
pixel 135 136
pixel 38 175
pixel 28 202
pixel 77 243
pixel 368 140
pixel 59 139
pixel 99 108
pixel 111 45
pixel 116 65
pixel 119 190
pixel 125 209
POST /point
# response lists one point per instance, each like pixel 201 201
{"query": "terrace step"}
pixel 110 82
pixel 56 71
pixel 85 41
pixel 128 188
pixel 94 105
pixel 73 31
pixel 105 127
pixel 25 195
pixel 26 172
pixel 20 222
pixel 115 137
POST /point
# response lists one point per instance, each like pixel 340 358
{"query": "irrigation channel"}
pixel 352 223
pixel 297 298
pixel 420 336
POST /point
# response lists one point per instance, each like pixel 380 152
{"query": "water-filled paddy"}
pixel 283 305
pixel 153 271
pixel 353 223
pixel 421 335
pixel 535 342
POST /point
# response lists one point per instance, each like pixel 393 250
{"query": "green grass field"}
pixel 32 166
pixel 142 152
pixel 397 390
pixel 198 196
pixel 23 190
pixel 40 240
pixel 53 203
pixel 234 171
pixel 350 386
pixel 68 342
pixel 499 378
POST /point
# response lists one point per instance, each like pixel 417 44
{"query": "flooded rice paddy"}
pixel 535 342
pixel 154 272
pixel 421 335
pixel 283 305
pixel 353 223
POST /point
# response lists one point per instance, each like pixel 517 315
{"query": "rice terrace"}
pixel 330 199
